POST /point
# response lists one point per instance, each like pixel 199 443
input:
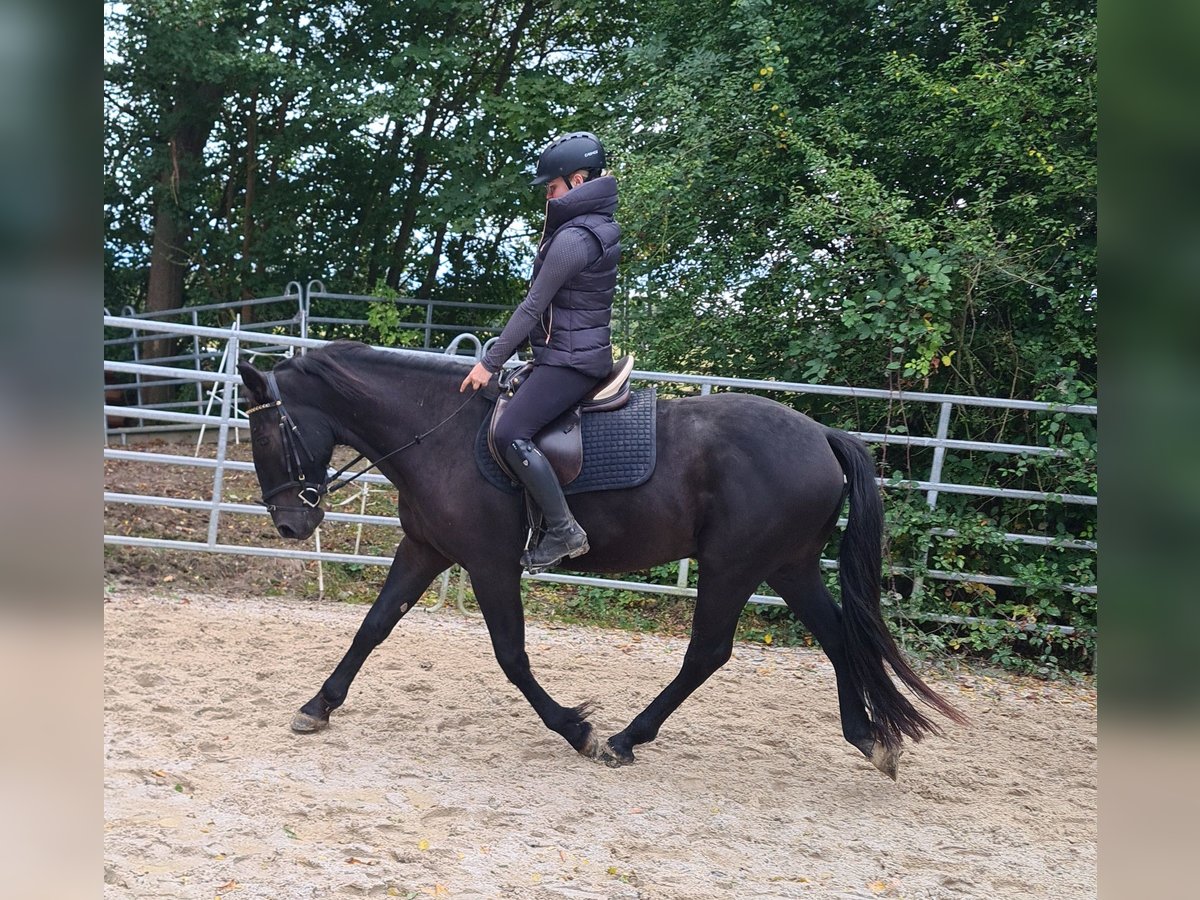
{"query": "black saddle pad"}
pixel 618 449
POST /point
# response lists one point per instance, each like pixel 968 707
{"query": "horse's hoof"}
pixel 303 723
pixel 886 759
pixel 591 745
pixel 613 758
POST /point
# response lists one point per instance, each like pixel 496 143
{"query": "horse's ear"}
pixel 253 380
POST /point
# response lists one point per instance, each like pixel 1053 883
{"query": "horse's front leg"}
pixel 499 596
pixel 413 569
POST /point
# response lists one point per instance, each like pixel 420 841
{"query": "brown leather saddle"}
pixel 562 440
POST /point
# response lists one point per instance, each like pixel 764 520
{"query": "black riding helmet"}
pixel 567 154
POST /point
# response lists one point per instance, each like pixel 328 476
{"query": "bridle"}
pixel 309 494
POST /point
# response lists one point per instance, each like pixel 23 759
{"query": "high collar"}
pixel 596 196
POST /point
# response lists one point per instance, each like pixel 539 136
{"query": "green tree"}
pixel 901 193
pixel 359 143
pixel 886 195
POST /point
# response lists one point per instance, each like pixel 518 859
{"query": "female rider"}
pixel 565 315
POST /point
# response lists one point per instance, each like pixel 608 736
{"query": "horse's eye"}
pixel 262 440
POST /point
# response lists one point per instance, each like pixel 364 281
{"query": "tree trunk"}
pixel 248 205
pixel 435 260
pixel 168 254
pixel 510 52
pixel 371 228
pixel 412 199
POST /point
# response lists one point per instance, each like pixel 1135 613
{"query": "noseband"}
pixel 293 442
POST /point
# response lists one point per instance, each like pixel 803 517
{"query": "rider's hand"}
pixel 476 378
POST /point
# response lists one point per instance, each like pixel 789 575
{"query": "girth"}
pixel 561 442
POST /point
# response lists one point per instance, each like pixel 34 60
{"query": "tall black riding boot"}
pixel 563 536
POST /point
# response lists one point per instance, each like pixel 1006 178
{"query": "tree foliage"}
pixel 358 143
pixel 897 195
pixel 867 193
pixel 864 193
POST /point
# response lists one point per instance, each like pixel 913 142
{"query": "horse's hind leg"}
pixel 720 597
pixel 499 598
pixel 810 601
pixel 413 569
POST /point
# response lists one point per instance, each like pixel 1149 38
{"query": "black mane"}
pixel 353 369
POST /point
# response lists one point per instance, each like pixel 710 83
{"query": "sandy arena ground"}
pixel 437 779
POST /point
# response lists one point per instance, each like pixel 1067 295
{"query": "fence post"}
pixel 935 478
pixel 306 305
pixel 939 453
pixel 137 379
pixel 196 361
pixel 301 306
pixel 231 360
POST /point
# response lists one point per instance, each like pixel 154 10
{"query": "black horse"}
pixel 748 487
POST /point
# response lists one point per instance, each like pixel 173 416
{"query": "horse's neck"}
pixel 405 406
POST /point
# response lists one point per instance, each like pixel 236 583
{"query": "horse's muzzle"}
pixel 296 524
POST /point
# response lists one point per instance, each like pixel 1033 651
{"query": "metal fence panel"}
pixel 216 373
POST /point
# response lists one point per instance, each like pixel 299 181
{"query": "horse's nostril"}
pixel 287 531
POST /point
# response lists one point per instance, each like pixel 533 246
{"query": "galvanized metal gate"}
pixel 211 368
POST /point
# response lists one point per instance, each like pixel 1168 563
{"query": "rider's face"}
pixel 557 188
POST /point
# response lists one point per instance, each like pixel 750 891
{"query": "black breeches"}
pixel 548 392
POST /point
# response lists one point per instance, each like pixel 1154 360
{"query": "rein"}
pixel 338 485
pixel 310 495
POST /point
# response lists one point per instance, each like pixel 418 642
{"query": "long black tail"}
pixel 868 641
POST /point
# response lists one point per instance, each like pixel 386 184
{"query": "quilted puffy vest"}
pixel 575 329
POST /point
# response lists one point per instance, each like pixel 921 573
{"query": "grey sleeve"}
pixel 571 251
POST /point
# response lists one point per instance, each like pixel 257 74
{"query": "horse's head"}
pixel 291 454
